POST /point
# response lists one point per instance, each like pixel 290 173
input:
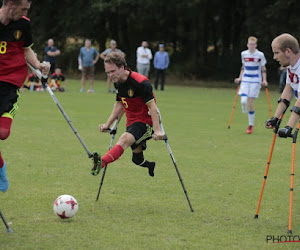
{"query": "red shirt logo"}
pixel 293 77
pixel 252 59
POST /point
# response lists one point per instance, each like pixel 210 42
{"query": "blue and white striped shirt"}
pixel 252 66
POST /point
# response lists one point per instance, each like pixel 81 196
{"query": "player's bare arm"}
pixel 287 94
pixel 31 58
pixel 239 79
pixel 264 76
pixel 117 112
pixel 283 104
pixel 295 115
pixel 158 135
pixel 294 118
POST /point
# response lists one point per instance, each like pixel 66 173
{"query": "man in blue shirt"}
pixel 161 63
pixel 88 57
pixel 50 54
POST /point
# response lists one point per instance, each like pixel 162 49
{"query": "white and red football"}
pixel 65 206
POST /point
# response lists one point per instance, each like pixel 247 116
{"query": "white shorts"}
pixel 249 89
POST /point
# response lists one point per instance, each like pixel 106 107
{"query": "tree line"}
pixel 204 38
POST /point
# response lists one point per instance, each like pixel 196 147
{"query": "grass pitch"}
pixel 222 170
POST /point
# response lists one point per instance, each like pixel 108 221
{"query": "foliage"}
pixel 206 35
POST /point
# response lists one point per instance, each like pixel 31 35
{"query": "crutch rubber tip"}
pixel 9 230
pixel 290 232
pixel 256 216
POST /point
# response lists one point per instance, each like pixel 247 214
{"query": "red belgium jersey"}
pixel 14 37
pixel 134 94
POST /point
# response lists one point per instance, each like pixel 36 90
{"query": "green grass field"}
pixel 222 170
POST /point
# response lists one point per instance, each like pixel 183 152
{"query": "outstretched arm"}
pixel 294 118
pixel 155 120
pixel 31 58
pixel 264 76
pixel 286 94
pixel 116 113
pixel 283 104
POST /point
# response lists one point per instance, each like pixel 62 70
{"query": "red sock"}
pixel 112 155
pixel 1 161
pixel 5 125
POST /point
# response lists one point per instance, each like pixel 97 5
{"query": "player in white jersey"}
pixel 253 74
pixel 286 51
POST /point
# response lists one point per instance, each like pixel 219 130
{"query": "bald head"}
pixel 16 2
pixel 286 41
pixel 50 42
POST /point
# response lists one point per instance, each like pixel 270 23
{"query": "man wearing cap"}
pixel 161 63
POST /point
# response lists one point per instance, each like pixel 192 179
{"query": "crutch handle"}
pixel 44 82
pixel 113 129
pixel 110 131
pixel 106 130
pixel 164 137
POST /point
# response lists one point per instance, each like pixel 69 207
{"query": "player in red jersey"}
pixel 15 43
pixel 135 97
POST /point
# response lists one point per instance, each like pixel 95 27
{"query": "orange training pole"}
pixel 265 176
pixel 292 178
pixel 267 168
pixel 269 103
pixel 234 104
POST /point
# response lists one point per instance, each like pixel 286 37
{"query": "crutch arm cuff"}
pixel 296 110
pixel 285 101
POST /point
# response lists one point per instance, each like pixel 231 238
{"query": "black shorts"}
pixel 141 132
pixel 9 95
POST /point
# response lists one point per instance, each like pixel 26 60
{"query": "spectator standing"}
pixel 50 54
pixel 143 57
pixel 113 48
pixel 88 57
pixel 161 63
